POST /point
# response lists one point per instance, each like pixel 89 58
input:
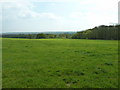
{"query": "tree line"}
pixel 37 36
pixel 102 32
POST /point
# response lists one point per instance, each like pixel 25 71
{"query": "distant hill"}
pixel 37 35
pixel 65 32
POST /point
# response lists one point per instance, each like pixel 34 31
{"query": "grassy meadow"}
pixel 59 63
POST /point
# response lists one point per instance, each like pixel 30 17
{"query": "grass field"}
pixel 59 63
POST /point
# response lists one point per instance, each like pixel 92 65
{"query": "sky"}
pixel 56 15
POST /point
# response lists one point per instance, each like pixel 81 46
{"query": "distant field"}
pixel 60 63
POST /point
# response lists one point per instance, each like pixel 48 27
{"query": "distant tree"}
pixel 29 36
pixel 62 35
pixel 41 35
pixel 101 32
pixel 51 36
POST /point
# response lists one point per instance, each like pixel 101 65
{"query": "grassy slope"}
pixel 65 63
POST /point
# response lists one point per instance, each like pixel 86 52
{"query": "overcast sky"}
pixel 56 15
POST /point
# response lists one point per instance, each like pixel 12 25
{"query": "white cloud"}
pixel 43 0
pixel 97 12
pixel 50 15
pixel 92 18
pixel 99 19
pixel 0 11
pixel 89 13
pixel 76 15
pixel 24 9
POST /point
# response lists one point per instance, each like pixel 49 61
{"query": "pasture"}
pixel 59 63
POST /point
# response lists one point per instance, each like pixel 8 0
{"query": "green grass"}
pixel 59 63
